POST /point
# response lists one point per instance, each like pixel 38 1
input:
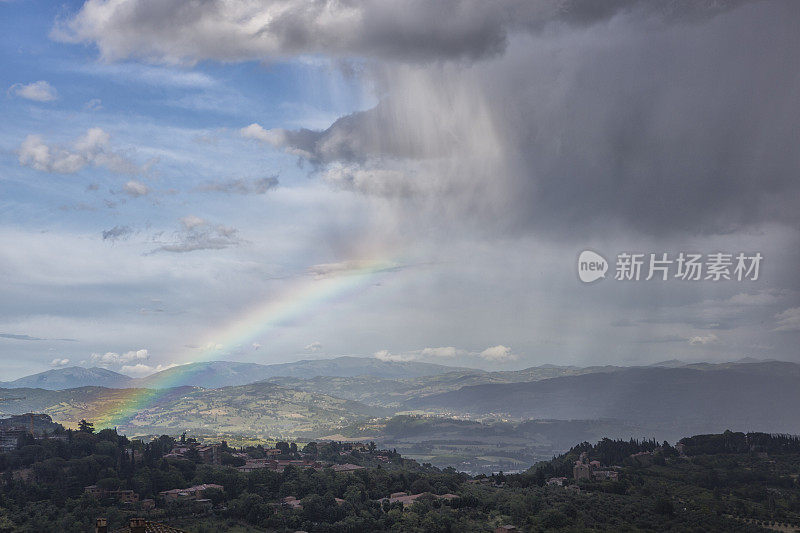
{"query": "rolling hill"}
pixel 683 400
pixel 259 409
pixel 71 377
pixel 215 374
pixel 394 392
pixel 659 400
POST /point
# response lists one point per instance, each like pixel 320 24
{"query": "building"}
pixel 209 454
pixel 347 467
pixel 277 465
pixel 190 493
pixel 121 495
pixel 606 474
pixel 581 470
pixel 592 470
pixel 9 438
pixel 292 502
pixel 258 464
pixel 557 481
pixel 251 467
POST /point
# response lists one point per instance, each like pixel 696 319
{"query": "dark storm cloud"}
pixel 664 117
pixel 688 128
pixel 412 30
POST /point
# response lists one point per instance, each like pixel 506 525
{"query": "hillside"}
pixel 679 400
pixel 706 483
pixel 260 409
pixel 348 366
pixel 395 392
pixel 71 377
pixel 214 374
pixel 257 409
pixel 640 401
pixel 384 383
pixel 483 447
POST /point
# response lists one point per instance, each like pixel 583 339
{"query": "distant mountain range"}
pixel 314 397
pixel 215 374
pixel 69 378
pixel 225 373
pixel 394 392
pixel 697 398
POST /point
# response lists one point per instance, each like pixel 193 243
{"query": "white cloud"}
pixel 314 346
pixel 95 104
pixel 152 75
pixel 192 221
pixel 699 340
pixel 135 188
pixel 257 132
pixel 446 352
pixel 277 138
pixel 59 362
pixel 39 91
pixel 114 358
pixel 92 148
pixel 198 234
pixel 385 355
pixel 209 346
pixel 498 353
pixel 141 370
pixel 764 297
pixel 788 320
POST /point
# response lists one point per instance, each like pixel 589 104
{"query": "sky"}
pixel 274 181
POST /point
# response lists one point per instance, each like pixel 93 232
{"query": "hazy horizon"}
pixel 443 364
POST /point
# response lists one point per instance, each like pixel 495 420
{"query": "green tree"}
pixel 664 506
pixel 85 427
pixel 310 448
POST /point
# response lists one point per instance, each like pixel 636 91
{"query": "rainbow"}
pixel 300 299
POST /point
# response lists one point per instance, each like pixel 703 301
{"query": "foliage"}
pixel 727 482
